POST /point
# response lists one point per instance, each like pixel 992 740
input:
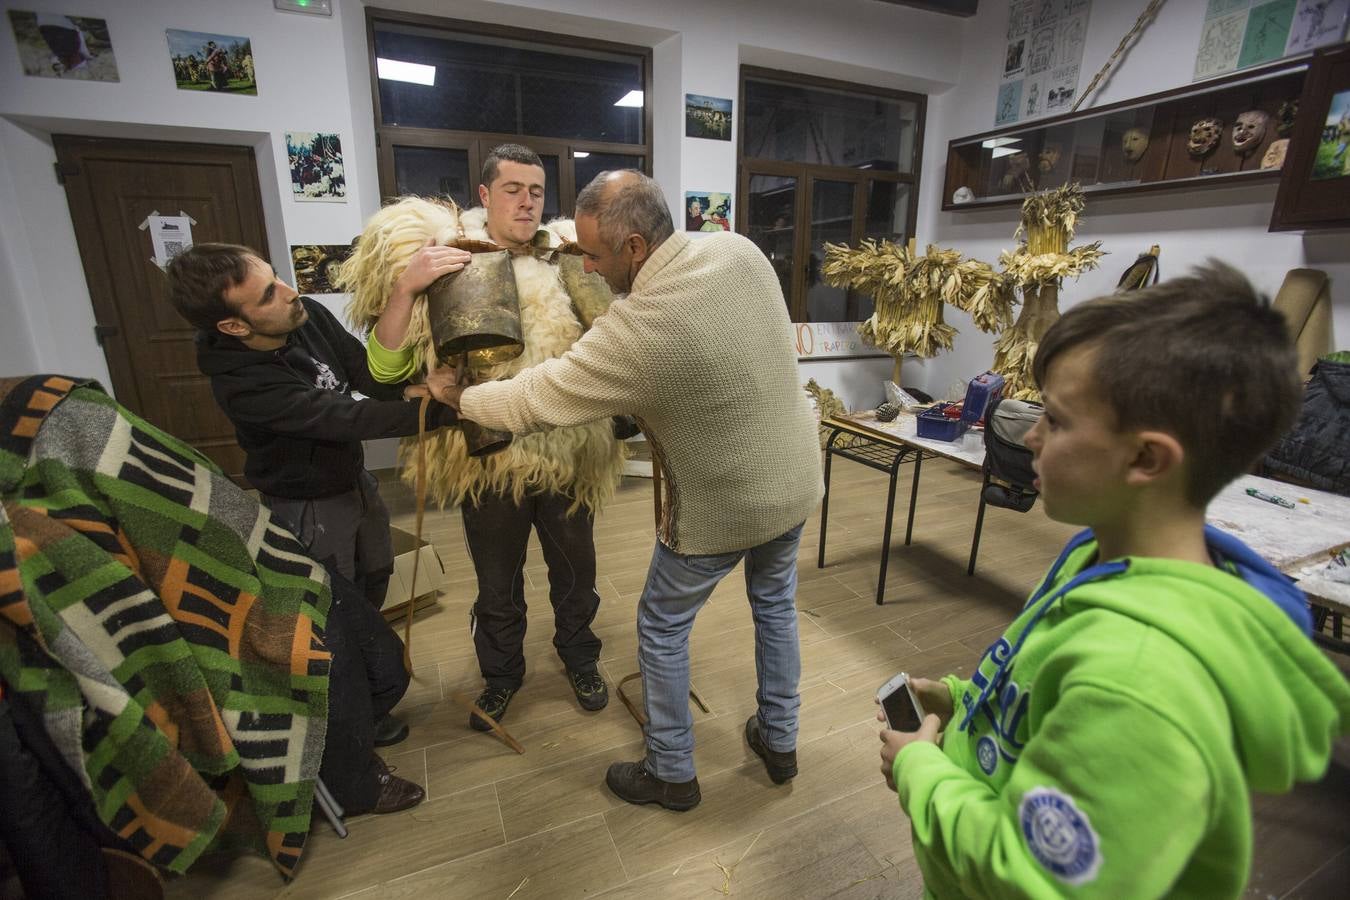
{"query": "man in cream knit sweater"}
pixel 700 351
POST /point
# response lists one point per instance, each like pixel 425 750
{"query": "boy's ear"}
pixel 1157 455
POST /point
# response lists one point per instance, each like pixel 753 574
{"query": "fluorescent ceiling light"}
pixel 398 70
pixel 580 154
pixel 999 142
pixel 632 98
pixel 1003 151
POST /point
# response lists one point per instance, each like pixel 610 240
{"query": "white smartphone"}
pixel 903 710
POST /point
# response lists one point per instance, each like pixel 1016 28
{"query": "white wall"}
pixel 1229 223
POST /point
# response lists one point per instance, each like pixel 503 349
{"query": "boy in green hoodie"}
pixel 1108 741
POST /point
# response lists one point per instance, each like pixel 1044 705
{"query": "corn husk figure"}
pixel 1037 267
pixel 909 289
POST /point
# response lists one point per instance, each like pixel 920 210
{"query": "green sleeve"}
pixel 389 366
pixel 1080 814
pixel 958 687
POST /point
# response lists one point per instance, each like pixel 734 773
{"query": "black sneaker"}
pixel 632 782
pixel 590 689
pixel 782 767
pixel 390 731
pixel 492 701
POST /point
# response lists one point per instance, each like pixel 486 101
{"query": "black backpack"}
pixel 1006 456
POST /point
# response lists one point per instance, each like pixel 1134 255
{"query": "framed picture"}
pixel 707 211
pixel 1315 179
pixel 707 117
pixel 316 266
pixel 52 45
pixel 315 160
pixel 219 63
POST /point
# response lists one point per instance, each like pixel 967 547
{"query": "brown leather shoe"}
pixel 632 782
pixel 396 794
pixel 782 767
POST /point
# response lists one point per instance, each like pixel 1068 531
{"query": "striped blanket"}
pixel 167 630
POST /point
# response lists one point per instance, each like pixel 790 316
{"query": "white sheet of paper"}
pixel 170 236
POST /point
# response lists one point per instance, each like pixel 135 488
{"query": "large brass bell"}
pixel 475 320
pixel 590 292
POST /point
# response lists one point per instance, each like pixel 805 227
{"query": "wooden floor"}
pixel 500 825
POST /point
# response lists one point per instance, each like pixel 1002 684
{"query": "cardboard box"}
pixel 429 572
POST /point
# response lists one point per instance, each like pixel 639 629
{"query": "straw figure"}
pixel 1037 267
pixel 909 289
pixel 584 462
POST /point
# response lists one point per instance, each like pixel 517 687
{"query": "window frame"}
pixel 807 174
pixel 478 143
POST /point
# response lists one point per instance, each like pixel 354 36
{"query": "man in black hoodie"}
pixel 283 368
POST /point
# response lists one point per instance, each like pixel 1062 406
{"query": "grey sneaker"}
pixel 590 689
pixel 493 701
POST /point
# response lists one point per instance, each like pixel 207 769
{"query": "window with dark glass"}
pixel 448 92
pixel 825 162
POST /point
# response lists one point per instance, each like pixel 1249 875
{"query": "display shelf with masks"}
pixel 1214 132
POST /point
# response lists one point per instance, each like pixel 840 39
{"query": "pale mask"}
pixel 1133 143
pixel 1275 154
pixel 1204 137
pixel 1249 131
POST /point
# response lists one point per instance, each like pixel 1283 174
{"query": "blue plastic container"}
pixel 983 390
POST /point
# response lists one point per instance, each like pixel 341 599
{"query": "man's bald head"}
pixel 624 202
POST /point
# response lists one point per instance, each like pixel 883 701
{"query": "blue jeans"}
pixel 677 587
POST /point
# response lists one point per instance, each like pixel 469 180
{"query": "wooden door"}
pixel 112 186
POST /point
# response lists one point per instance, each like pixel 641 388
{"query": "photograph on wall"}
pixel 316 266
pixel 211 62
pixel 707 117
pixel 1042 58
pixel 707 211
pixel 56 46
pixel 1333 153
pixel 316 166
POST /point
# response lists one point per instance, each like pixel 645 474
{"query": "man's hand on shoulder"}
pixel 428 264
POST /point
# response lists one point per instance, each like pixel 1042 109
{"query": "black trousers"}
pixel 498 531
pixel 365 681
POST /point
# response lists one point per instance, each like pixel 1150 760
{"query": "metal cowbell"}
pixel 476 310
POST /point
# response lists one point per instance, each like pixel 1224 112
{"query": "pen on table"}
pixel 1269 498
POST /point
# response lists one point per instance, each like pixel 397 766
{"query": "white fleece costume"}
pixel 584 462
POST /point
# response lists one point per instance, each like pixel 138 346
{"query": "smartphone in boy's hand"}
pixel 900 705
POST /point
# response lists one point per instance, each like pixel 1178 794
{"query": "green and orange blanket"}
pixel 170 634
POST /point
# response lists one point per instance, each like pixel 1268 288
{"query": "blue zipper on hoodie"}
pixel 1246 565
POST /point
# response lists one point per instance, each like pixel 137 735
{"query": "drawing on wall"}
pixel 316 266
pixel 1220 43
pixel 707 211
pixel 1316 24
pixel 1333 160
pixel 1042 58
pixel 56 46
pixel 211 62
pixel 1009 97
pixel 1242 33
pixel 707 117
pixel 316 166
pixel 1267 32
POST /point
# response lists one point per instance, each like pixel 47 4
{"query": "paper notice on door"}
pixel 169 236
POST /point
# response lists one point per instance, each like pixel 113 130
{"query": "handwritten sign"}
pixel 825 340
